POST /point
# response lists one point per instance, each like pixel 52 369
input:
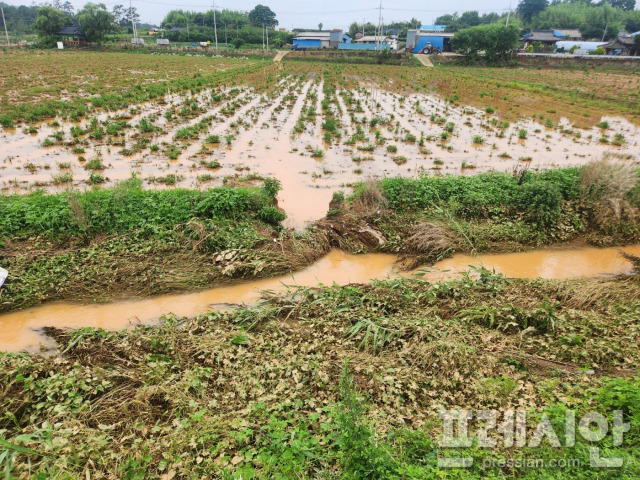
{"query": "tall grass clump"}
pixel 611 190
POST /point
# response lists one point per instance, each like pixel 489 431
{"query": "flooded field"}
pixel 308 130
pixel 22 330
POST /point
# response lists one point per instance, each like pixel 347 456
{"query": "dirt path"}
pixel 424 59
pixel 281 55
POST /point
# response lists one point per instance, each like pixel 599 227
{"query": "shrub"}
pixel 271 215
pixel 271 187
pixel 540 201
pixel 522 133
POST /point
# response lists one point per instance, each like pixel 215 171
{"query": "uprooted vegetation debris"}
pixel 340 382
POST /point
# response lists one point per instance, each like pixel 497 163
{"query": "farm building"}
pixel 624 46
pixel 548 38
pixel 418 39
pixel 72 35
pixel 321 39
pixel 379 41
pixel 162 42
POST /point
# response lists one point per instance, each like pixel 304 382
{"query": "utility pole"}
pixel 263 36
pixel 133 25
pixel 605 31
pixel 5 26
pixel 378 40
pixel 267 29
pixel 215 26
pixel 509 14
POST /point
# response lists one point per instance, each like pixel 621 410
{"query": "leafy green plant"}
pixel 96 178
pixel 210 164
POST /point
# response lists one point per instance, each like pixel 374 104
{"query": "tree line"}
pixel 96 21
pixel 233 27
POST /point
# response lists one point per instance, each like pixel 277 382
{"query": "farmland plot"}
pixel 317 129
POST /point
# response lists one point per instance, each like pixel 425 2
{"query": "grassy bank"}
pixel 430 218
pixel 97 245
pixel 330 383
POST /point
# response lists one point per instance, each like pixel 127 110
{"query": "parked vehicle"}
pixel 430 49
pixel 299 48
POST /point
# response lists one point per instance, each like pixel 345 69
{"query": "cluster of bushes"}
pixel 536 196
pixel 128 207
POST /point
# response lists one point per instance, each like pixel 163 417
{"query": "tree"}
pixel 470 19
pixel 632 22
pixel 67 9
pixel 118 13
pixel 626 5
pixel 262 15
pixel 353 29
pixel 124 16
pixel 49 22
pixel 528 8
pixel 95 21
pixel 177 18
pixel 320 26
pixel 496 41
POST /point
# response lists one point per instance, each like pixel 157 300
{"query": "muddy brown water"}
pixel 22 330
pixel 265 144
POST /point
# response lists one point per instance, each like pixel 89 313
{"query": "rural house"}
pixel 548 38
pixel 624 46
pixel 72 35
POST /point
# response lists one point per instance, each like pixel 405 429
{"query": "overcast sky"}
pixel 305 14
